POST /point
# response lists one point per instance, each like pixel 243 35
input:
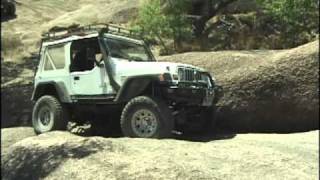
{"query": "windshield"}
pixel 128 50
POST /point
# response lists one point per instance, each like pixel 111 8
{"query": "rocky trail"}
pixel 61 155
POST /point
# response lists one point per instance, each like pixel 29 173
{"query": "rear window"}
pixel 47 64
pixel 54 57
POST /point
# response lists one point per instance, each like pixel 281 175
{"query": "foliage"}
pixel 150 18
pixel 164 18
pixel 294 12
pixel 283 23
pixel 294 16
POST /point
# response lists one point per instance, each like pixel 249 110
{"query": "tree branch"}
pixel 199 24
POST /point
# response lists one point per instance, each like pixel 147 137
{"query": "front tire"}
pixel 146 117
pixel 209 125
pixel 202 123
pixel 49 115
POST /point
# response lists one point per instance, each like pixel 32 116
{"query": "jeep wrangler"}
pixel 104 70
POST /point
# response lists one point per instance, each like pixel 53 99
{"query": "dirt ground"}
pixel 61 155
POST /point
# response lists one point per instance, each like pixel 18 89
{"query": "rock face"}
pixel 10 136
pixel 16 106
pixel 60 155
pixel 265 91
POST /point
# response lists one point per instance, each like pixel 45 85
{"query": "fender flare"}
pixel 60 88
pixel 134 86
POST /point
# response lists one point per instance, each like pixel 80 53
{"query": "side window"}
pixel 54 58
pixel 84 54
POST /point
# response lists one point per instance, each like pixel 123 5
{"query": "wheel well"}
pixel 152 89
pixel 148 90
pixel 136 86
pixel 46 89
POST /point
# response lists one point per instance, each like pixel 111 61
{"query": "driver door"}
pixel 87 78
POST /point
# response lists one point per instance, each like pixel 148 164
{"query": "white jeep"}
pixel 104 70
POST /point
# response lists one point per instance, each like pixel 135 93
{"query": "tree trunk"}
pixel 199 25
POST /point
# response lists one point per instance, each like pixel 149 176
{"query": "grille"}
pixel 189 74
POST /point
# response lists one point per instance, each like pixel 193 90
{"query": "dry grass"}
pixel 36 17
pixel 12 47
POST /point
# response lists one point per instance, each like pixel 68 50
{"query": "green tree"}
pixel 299 19
pixel 166 19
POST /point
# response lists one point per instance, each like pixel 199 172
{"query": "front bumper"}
pixel 193 95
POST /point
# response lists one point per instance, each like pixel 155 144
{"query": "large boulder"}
pixel 60 155
pixel 269 91
pixel 9 136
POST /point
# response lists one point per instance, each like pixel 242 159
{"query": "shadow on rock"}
pixel 103 130
pixel 8 18
pixel 205 137
pixel 36 161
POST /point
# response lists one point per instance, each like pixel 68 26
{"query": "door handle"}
pixel 76 78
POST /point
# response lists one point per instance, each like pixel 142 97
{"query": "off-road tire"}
pixel 205 123
pixel 11 11
pixel 58 118
pixel 160 109
pixel 209 116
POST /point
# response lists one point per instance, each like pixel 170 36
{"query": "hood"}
pixel 124 67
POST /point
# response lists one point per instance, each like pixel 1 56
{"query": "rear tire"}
pixel 49 115
pixel 146 117
pixel 11 10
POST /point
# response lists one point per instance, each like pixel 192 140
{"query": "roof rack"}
pixel 57 33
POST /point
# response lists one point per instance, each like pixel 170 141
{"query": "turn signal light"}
pixel 175 77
